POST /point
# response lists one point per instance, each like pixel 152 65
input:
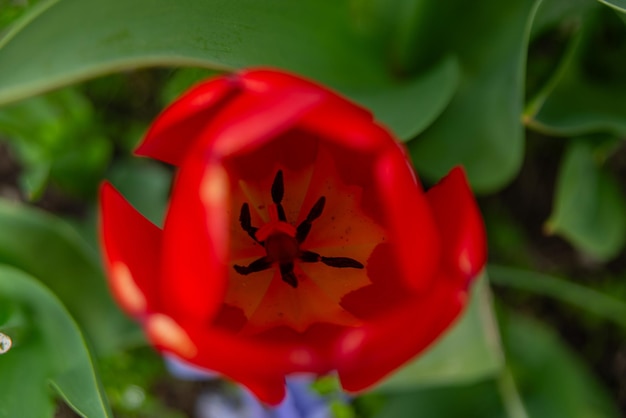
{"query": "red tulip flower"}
pixel 297 239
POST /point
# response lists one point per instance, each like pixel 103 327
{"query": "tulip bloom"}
pixel 297 238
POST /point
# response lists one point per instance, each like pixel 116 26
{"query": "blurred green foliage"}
pixel 527 94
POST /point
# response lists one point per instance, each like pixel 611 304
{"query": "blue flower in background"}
pixel 301 400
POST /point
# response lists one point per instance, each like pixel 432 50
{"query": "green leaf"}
pixel 444 363
pixel 603 305
pixel 477 400
pixel 50 250
pixel 552 380
pixel 410 108
pixel 589 208
pixel 619 5
pixel 481 128
pixel 118 35
pixel 554 13
pixel 48 350
pixel 585 95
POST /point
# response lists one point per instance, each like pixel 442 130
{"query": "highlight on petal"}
pixel 167 334
pixel 175 131
pixel 195 241
pixel 126 290
pixel 132 244
pixel 251 120
pixel 460 225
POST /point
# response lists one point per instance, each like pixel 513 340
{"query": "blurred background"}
pixel 529 96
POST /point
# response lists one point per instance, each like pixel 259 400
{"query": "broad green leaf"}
pixel 48 349
pixel 476 400
pixel 11 10
pixel 589 208
pixel 552 380
pixel 50 250
pixel 586 93
pixel 481 127
pixel 118 35
pixel 619 5
pixel 423 98
pixel 602 305
pixel 445 363
pixel 553 13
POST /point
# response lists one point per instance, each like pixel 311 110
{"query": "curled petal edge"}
pixel 131 244
pixel 460 226
pixel 195 243
pixel 405 201
pixel 178 127
pixel 368 354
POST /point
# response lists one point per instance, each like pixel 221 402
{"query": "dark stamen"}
pixel 310 257
pixel 305 226
pixel 257 265
pixel 302 231
pixel 278 192
pixel 287 274
pixel 317 209
pixel 278 187
pixel 341 262
pixel 246 221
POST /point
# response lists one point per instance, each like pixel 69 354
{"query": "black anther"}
pixel 341 262
pixel 246 221
pixel 259 264
pixel 287 274
pixel 305 226
pixel 278 188
pixel 317 209
pixel 278 192
pixel 310 257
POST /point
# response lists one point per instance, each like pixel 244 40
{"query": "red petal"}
pixel 252 119
pixel 196 242
pixel 132 248
pixel 337 119
pixel 179 126
pixel 269 81
pixel 410 222
pixel 367 354
pixel 460 225
pixel 259 365
pixel 269 391
pixel 343 123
